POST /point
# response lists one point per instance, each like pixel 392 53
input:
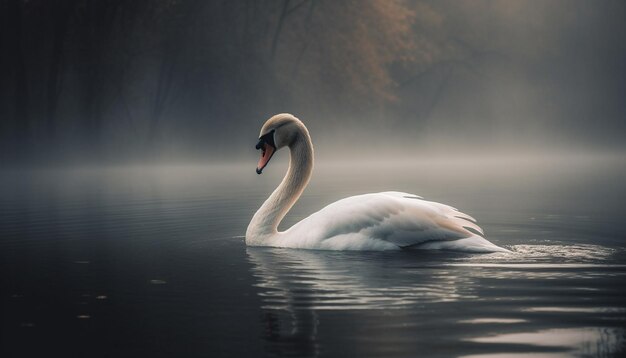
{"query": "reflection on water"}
pixel 492 320
pixel 381 280
pixel 326 280
pixel 585 342
pixel 150 261
pixel 578 309
pixel 297 286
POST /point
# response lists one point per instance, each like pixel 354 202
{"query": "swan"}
pixel 377 221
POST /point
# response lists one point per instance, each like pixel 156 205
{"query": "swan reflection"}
pixel 326 280
pixel 298 289
pixel 295 286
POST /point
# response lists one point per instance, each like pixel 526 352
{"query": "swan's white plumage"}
pixel 378 221
pixel 386 221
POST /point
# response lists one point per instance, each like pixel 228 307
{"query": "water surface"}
pixel 127 261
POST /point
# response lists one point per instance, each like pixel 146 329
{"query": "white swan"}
pixel 378 221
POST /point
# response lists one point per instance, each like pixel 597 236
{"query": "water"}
pixel 150 261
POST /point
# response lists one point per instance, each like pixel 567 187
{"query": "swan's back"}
pixel 387 221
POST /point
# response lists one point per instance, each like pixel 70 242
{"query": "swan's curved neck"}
pixel 265 222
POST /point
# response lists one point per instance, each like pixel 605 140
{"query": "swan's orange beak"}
pixel 266 155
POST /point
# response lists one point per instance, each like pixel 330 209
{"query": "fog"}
pixel 88 81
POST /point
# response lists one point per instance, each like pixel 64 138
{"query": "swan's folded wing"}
pixel 385 220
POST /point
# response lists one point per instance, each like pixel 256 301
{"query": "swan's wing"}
pixel 383 220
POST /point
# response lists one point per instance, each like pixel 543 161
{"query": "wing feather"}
pixel 390 219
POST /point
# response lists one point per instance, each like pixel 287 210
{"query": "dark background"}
pixel 95 81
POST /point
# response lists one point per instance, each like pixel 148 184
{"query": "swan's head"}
pixel 279 131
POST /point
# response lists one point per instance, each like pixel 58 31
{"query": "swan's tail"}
pixel 473 243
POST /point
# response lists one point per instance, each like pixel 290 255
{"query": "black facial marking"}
pixel 266 138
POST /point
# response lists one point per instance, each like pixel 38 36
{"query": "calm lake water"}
pixel 150 261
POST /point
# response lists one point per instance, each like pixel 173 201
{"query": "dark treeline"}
pixel 117 79
pixel 85 75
